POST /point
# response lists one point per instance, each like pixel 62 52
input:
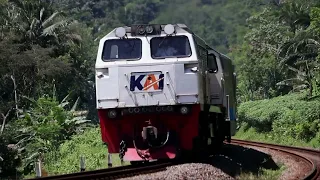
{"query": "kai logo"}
pixel 147 82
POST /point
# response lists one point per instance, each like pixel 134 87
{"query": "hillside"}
pixel 222 23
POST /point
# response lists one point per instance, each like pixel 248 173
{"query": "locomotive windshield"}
pixel 122 49
pixel 172 46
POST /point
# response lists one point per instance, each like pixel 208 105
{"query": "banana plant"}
pixel 46 125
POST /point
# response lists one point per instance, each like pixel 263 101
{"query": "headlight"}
pixel 120 32
pixel 112 114
pixel 184 110
pixel 169 29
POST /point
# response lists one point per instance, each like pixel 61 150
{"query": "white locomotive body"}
pixel 162 86
pixel 143 79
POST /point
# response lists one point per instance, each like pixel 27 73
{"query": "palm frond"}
pixel 289 82
pixel 75 105
pixel 50 31
pixel 294 57
pixel 50 19
pixel 65 98
pixel 63 104
pixel 79 113
pixel 33 24
pixel 74 37
pixel 300 87
pixel 41 14
pixel 301 73
pixel 30 99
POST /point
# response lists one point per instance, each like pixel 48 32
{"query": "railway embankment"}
pixel 288 120
pixel 237 160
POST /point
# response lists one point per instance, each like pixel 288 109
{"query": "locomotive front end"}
pixel 147 91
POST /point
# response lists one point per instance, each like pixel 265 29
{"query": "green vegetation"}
pixel 288 120
pixel 264 174
pixel 87 144
pixel 48 49
pixel 279 56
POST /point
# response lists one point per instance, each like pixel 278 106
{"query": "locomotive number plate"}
pixel 146 82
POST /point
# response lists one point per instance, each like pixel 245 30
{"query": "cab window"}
pixel 212 63
pixel 170 46
pixel 122 49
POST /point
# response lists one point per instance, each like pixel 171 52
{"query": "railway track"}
pixel 115 172
pixel 310 156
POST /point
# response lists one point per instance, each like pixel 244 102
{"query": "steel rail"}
pixel 114 172
pixel 310 156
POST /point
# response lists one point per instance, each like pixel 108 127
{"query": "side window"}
pixel 224 64
pixel 212 63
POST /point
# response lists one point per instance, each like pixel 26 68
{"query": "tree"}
pixel 299 54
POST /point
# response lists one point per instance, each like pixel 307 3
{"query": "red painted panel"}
pixel 113 130
pixel 109 131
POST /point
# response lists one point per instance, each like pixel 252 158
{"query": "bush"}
pixel 66 159
pixel 9 160
pixel 290 115
pixel 45 126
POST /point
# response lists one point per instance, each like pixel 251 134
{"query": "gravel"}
pixel 186 171
pixel 232 161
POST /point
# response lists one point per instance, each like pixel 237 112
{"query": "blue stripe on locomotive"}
pixel 232 114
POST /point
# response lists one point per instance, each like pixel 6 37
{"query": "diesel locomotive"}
pixel 162 90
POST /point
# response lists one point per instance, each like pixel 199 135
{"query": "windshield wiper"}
pixel 163 40
pixel 147 39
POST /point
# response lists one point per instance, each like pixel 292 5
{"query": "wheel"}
pixel 200 148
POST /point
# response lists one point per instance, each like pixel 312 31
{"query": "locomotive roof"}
pixel 180 28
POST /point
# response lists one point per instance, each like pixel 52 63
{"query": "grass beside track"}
pixel 264 174
pixel 252 135
pixel 66 159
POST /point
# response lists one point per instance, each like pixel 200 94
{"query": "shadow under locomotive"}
pixel 234 160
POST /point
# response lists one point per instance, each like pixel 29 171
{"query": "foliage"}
pixel 289 116
pixel 45 126
pixel 279 51
pixel 211 20
pixel 9 159
pixel 66 159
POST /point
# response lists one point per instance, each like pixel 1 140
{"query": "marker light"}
pixel 136 110
pixel 120 32
pixel 141 30
pixel 149 29
pixel 158 109
pixel 169 29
